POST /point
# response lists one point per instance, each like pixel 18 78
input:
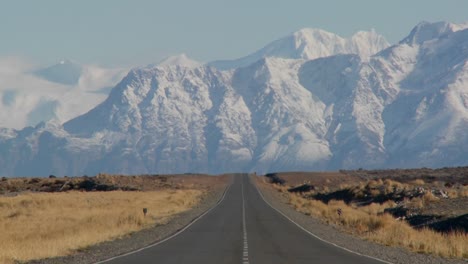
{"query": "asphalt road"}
pixel 243 229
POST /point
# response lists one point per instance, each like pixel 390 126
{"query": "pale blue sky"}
pixel 137 32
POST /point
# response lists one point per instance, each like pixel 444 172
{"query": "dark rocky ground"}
pixel 106 182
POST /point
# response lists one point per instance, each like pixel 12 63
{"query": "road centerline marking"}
pixel 245 252
pixel 226 190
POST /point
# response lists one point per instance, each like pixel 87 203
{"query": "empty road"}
pixel 243 229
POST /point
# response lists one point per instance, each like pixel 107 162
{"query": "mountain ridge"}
pixel 395 108
pixel 311 43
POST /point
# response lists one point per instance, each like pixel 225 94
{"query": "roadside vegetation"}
pixel 35 225
pixel 386 211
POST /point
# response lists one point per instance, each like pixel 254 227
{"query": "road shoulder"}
pixel 333 235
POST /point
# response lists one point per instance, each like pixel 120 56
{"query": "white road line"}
pixel 314 235
pixel 172 236
pixel 245 252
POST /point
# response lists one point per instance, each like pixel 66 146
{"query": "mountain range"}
pixel 309 101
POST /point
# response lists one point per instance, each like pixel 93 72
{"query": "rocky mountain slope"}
pixel 289 108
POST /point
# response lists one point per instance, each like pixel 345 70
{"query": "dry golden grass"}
pixel 377 187
pixel 430 197
pixel 417 182
pixel 369 222
pixel 415 203
pixel 41 225
pixel 464 192
pixel 452 194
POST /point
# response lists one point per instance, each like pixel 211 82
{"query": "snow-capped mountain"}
pixel 179 60
pixel 405 106
pixel 65 72
pixel 309 44
pixel 60 92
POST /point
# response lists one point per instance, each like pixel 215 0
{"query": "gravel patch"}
pixel 141 238
pixel 331 233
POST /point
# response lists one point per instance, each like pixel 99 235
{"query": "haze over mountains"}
pixel 309 101
pixel 31 94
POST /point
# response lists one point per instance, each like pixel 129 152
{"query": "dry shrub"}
pixel 452 245
pixel 369 222
pixel 42 225
pixel 376 208
pixel 356 220
pixel 429 197
pixel 452 194
pixel 374 183
pixel 359 189
pixel 416 203
pixel 107 178
pixel 280 188
pixel 418 182
pixel 464 192
pixel 391 186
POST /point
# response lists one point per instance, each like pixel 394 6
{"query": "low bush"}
pixel 371 223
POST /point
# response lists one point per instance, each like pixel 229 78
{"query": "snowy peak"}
pixel 179 60
pixel 309 44
pixel 458 27
pixel 310 101
pixel 367 43
pixel 64 72
pixel 316 43
pixel 426 31
pixel 139 100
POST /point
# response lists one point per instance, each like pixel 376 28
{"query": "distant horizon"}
pixel 127 34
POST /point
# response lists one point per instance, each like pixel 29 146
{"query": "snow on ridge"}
pixel 459 26
pixel 425 31
pixel 311 43
pixel 367 43
pixel 363 43
pixel 394 109
pixel 179 60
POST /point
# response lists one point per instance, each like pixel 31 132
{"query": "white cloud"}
pixel 26 99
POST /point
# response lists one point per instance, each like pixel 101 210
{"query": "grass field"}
pixel 41 225
pixel 384 229
pixel 370 223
